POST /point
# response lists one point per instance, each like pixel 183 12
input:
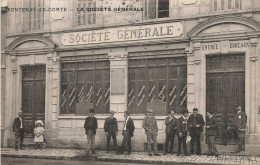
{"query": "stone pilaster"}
pixel 118 83
pixel 253 86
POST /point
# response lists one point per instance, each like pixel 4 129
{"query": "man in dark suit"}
pixel 151 131
pixel 183 132
pixel 128 133
pixel 18 129
pixel 211 131
pixel 195 124
pixel 111 130
pixel 91 126
pixel 171 128
pixel 239 125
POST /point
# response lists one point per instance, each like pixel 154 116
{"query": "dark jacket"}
pixel 17 124
pixel 150 123
pixel 91 124
pixel 130 127
pixel 110 125
pixel 240 120
pixel 195 120
pixel 171 125
pixel 213 127
pixel 182 126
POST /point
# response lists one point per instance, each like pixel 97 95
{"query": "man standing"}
pixel 111 130
pixel 151 131
pixel 195 124
pixel 182 130
pixel 171 128
pixel 18 129
pixel 91 126
pixel 239 124
pixel 128 133
pixel 211 129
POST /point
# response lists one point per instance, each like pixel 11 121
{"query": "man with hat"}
pixel 239 125
pixel 128 133
pixel 91 126
pixel 151 131
pixel 211 129
pixel 18 129
pixel 183 132
pixel 195 124
pixel 171 128
pixel 111 130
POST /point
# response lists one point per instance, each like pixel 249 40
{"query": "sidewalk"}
pixel 135 157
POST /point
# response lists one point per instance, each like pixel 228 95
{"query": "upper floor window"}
pixel 84 15
pixel 33 20
pixel 224 5
pixel 156 9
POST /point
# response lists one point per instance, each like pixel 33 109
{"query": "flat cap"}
pixel 91 110
pixel 112 111
pixel 150 111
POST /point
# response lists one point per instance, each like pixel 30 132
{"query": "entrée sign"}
pixel 123 34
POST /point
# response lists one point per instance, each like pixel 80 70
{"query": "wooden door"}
pixel 225 89
pixel 33 96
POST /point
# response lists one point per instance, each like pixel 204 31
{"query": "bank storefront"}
pixel 211 66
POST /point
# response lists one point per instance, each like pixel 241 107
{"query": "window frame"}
pixel 83 16
pixel 145 15
pixel 77 82
pixel 225 5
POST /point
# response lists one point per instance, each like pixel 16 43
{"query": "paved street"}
pixel 23 161
pixel 136 157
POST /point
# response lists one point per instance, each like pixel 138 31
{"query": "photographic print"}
pixel 130 82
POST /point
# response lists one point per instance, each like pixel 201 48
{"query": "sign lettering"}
pixel 123 34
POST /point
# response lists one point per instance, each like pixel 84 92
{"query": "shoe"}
pixel 171 153
pixel 165 153
pixel 216 154
pixel 186 154
pixel 16 149
pixel 178 154
pixel 107 152
pixel 150 154
pixel 94 152
pixel 156 154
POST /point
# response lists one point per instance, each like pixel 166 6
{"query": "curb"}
pixel 102 159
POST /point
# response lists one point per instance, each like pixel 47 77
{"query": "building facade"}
pixel 64 58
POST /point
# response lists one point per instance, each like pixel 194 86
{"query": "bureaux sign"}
pixel 166 30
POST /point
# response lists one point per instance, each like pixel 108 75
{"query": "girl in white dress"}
pixel 38 134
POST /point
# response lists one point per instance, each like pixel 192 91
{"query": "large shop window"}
pixel 160 84
pixel 225 5
pixel 33 20
pixel 155 9
pixel 85 16
pixel 85 85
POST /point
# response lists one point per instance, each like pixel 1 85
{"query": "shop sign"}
pixel 214 46
pixel 166 30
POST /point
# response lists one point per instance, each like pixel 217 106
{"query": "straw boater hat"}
pixel 112 111
pixel 150 111
pixel 39 121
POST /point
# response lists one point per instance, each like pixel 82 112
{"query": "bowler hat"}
pixel 20 112
pixel 150 111
pixel 91 111
pixel 185 111
pixel 195 109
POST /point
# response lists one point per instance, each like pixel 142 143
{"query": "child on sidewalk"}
pixel 38 132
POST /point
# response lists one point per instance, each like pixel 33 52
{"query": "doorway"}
pixel 33 96
pixel 225 89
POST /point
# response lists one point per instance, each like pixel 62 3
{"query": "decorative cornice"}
pixel 118 56
pixel 157 53
pixel 197 62
pixel 24 39
pixel 224 19
pixel 253 59
pixel 83 58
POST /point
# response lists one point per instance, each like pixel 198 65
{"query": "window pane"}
pixel 86 17
pixel 163 8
